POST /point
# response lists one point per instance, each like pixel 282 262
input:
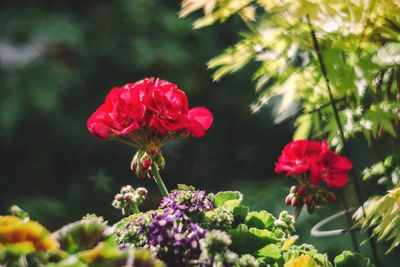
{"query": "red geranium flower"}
pixel 119 115
pixel 297 155
pixel 332 168
pixel 157 104
pixel 169 107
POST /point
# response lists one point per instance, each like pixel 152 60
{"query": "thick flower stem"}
pixel 159 181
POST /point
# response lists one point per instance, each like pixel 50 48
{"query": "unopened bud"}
pixel 116 204
pixel 160 161
pixel 126 189
pixel 293 189
pixel 152 149
pixel 288 199
pixel 128 197
pixel 119 197
pixel 134 162
pixel 294 202
pixel 301 190
pixel 308 200
pixel 145 162
pixel 141 191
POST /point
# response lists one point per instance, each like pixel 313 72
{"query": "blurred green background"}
pixel 58 60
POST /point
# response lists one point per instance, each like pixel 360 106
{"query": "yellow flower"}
pixel 302 261
pixel 24 236
pixel 289 242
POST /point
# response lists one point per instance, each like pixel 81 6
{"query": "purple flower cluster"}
pixel 188 201
pixel 176 238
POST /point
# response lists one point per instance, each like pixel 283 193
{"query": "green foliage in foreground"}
pixel 253 239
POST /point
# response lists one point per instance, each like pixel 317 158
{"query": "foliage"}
pixel 348 259
pixel 360 50
pixel 253 236
pixel 382 215
pixel 385 172
pixel 313 55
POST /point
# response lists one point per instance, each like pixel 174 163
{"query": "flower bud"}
pixel 116 204
pixel 308 200
pixel 128 197
pixel 141 191
pixel 145 162
pixel 288 199
pixel 119 197
pixel 126 189
pixel 134 162
pixel 295 202
pixel 301 190
pixel 152 149
pixel 293 189
pixel 160 161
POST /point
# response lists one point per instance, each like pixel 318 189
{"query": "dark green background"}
pixel 58 60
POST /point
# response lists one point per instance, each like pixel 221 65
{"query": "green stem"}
pixel 135 209
pixel 159 181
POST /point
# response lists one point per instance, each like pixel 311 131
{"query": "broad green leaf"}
pixel 249 240
pixel 260 220
pixel 239 213
pixel 352 259
pixel 222 197
pixel 269 251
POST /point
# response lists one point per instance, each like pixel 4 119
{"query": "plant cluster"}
pixel 192 228
pixel 332 66
pixel 189 227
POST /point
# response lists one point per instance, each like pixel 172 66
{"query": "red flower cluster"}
pixel 309 162
pixel 157 104
pixel 301 156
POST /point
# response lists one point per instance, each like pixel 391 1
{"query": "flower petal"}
pixel 201 115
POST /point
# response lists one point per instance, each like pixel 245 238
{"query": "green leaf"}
pixel 228 199
pixel 249 240
pixel 269 251
pixel 304 125
pixel 352 259
pixel 239 213
pixel 260 220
